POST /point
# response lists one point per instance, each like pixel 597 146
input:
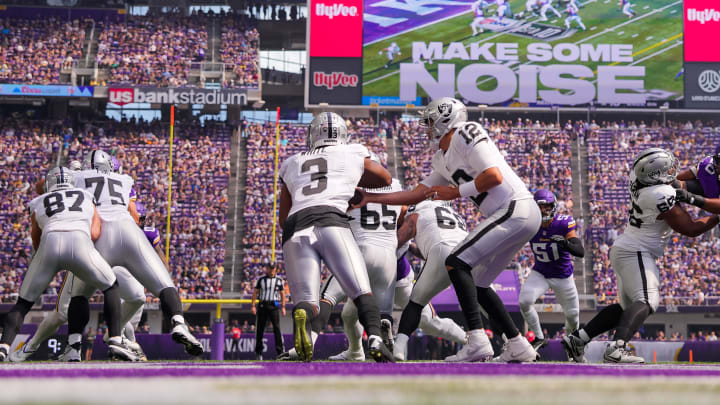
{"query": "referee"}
pixel 269 289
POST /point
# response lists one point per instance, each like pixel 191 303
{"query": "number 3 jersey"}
pixel 437 223
pixel 550 261
pixel 470 153
pixel 63 210
pixel 645 232
pixel 325 176
pixel 376 224
pixel 110 190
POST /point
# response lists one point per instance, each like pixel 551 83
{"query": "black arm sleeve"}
pixel 575 247
pixel 694 187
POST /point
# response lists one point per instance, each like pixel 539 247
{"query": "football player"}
pixel 437 229
pixel 531 8
pixel 627 8
pixel 476 24
pixel 64 220
pixel 390 53
pixel 703 179
pixel 572 11
pixel 124 244
pixel 317 186
pixel 654 214
pixel 469 165
pixel 553 247
pixel 546 5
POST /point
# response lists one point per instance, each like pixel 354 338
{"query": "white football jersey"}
pixel 63 210
pixel 470 153
pixel 645 232
pixel 374 223
pixel 325 176
pixel 110 190
pixel 437 222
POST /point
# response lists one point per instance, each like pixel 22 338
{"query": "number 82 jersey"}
pixel 376 224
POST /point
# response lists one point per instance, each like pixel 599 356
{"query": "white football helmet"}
pixel 59 177
pixel 99 161
pixel 327 129
pixel 655 166
pixel 75 165
pixel 441 116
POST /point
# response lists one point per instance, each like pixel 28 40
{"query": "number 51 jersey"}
pixel 63 210
pixel 110 190
pixel 324 176
pixel 644 231
pixel 550 261
pixel 375 223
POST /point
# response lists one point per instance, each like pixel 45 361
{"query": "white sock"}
pixel 178 319
pixel 584 336
pixel 74 338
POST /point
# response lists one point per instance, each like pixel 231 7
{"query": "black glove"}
pixel 689 198
pixel 676 183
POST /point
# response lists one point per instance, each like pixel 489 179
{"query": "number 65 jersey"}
pixel 324 176
pixel 375 223
pixel 645 232
pixel 110 190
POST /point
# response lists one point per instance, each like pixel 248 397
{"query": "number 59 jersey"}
pixel 375 223
pixel 471 152
pixel 437 223
pixel 645 232
pixel 110 190
pixel 64 210
pixel 324 176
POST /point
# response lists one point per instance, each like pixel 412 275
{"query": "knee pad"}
pixel 454 262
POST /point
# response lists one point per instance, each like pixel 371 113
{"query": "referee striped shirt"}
pixel 269 288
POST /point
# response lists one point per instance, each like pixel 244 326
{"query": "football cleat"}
pixel 400 349
pixel 303 343
pixel 617 352
pixel 348 355
pixel 386 333
pixel 575 348
pixel 477 349
pixel 378 351
pixel 22 353
pixel 4 350
pixel 538 344
pixel 182 335
pixel 135 347
pixel 290 355
pixel 517 350
pixel 118 349
pixel 71 353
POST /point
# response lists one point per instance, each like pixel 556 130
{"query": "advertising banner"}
pixel 45 91
pixel 702 85
pixel 176 95
pixel 702 57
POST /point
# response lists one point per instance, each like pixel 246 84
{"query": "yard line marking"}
pixel 635 35
pixel 621 32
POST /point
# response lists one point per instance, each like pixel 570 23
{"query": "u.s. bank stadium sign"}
pixel 185 95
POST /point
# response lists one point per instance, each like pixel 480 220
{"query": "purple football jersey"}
pixel 707 176
pixel 152 235
pixel 550 261
pixel 403 268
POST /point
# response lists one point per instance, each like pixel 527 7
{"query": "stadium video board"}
pixel 496 52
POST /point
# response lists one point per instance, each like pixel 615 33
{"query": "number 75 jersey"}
pixel 375 223
pixel 111 192
pixel 325 176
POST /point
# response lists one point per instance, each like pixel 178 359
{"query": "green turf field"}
pixel 655 32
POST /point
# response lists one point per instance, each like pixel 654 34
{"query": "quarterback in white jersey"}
pixel 654 214
pixel 437 229
pixel 468 164
pixel 124 244
pixel 64 222
pixel 317 186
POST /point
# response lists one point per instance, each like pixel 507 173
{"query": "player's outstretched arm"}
pixel 96 226
pixel 132 209
pixel 35 232
pixel 686 175
pixel 483 182
pixel 159 251
pixel 398 198
pixel 285 204
pixel 711 205
pixel 681 222
pixel 374 176
pixel 407 230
